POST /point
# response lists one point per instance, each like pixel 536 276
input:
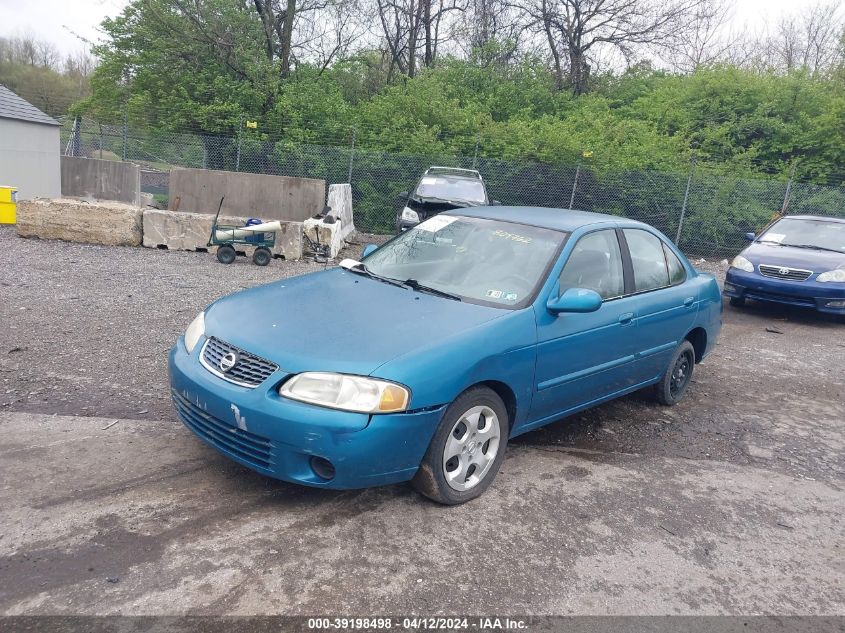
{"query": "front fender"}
pixel 502 350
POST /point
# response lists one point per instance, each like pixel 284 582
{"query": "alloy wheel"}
pixel 471 448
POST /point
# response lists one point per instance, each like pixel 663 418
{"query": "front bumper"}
pixel 278 437
pixel 823 297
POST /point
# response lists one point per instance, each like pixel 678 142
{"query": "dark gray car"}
pixel 441 189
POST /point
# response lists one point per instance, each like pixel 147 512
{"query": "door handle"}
pixel 688 301
pixel 626 317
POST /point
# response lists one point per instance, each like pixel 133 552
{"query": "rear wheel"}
pixel 737 302
pixel 226 254
pixel 676 379
pixel 467 450
pixel 262 256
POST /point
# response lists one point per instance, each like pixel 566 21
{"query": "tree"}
pixel 806 40
pixel 578 31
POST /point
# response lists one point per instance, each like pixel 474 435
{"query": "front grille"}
pixel 252 448
pixel 784 272
pixel 249 370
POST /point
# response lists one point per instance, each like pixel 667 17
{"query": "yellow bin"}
pixel 8 205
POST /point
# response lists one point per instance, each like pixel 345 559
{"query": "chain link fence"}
pixel 705 212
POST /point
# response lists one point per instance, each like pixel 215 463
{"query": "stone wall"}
pixel 108 223
pixel 101 179
pixel 246 195
pixel 190 231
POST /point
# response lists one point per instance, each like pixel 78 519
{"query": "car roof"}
pixel 814 217
pixel 556 219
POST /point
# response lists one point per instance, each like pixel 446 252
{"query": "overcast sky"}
pixel 64 21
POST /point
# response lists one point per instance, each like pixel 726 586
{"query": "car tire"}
pixel 674 382
pixel 448 472
pixel 737 302
pixel 262 256
pixel 226 254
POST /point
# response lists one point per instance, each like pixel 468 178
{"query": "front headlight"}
pixel 832 275
pixel 743 264
pixel 350 393
pixel 409 215
pixel 195 332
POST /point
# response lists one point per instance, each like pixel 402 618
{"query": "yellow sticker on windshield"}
pixel 512 236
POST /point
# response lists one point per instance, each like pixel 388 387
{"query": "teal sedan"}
pixel 421 361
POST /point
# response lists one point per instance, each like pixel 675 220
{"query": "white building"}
pixel 29 148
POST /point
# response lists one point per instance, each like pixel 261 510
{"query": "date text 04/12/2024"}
pixel 419 623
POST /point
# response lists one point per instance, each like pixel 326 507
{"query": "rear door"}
pixel 665 305
pixel 584 357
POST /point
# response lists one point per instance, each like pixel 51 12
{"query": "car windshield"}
pixel 477 260
pixel 451 188
pixel 807 233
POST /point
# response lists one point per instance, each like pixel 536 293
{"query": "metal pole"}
pixel 575 185
pixel 238 157
pixel 125 131
pixel 788 192
pixel 351 157
pixel 684 207
pixel 475 156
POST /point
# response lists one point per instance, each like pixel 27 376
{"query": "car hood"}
pixel 336 320
pixel 808 259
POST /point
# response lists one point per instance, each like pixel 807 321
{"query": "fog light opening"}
pixel 322 467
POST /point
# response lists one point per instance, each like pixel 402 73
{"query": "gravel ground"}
pixel 729 503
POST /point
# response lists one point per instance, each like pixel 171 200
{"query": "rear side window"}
pixel 677 274
pixel 647 257
pixel 596 264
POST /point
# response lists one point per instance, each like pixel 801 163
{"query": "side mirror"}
pixel 750 237
pixel 369 248
pixel 575 300
pixel 402 196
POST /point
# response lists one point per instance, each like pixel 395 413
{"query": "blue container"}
pixel 258 237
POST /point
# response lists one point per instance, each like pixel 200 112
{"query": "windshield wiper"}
pixel 415 285
pixel 361 268
pixel 813 247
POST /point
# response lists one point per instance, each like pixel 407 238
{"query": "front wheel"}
pixel 737 302
pixel 467 450
pixel 676 379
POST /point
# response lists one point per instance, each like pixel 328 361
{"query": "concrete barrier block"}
pixel 246 195
pixel 101 179
pixel 340 201
pixel 319 231
pixel 190 231
pixel 107 223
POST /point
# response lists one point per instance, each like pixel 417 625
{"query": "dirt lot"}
pixel 731 502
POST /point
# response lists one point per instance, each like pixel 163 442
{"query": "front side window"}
pixel 596 264
pixel 648 260
pixel 481 261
